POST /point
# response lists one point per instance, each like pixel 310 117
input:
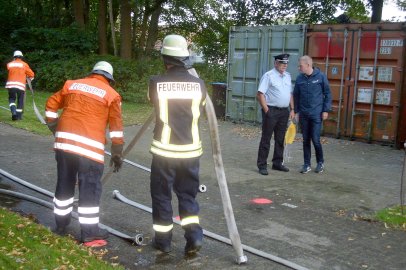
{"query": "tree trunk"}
pixel 377 6
pixel 86 10
pixel 144 26
pixel 125 29
pixel 102 27
pixel 78 12
pixel 153 30
pixel 112 26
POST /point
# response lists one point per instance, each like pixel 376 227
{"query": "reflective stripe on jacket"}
pixel 18 71
pixel 178 99
pixel 89 105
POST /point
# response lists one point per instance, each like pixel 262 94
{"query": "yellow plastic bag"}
pixel 290 133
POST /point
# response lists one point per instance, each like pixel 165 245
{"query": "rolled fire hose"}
pixel 137 239
pixel 130 145
pixel 118 196
pixel 37 113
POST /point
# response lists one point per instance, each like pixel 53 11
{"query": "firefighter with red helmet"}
pixel 89 105
pixel 18 71
pixel 178 99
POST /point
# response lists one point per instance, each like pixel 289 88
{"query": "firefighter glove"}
pixel 116 156
pixel 52 126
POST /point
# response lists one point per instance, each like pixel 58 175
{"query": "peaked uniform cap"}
pixel 282 58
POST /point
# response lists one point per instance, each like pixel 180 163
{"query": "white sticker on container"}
pixel 366 73
pixel 392 42
pixel 385 74
pixel 383 97
pixel 364 95
pixel 385 50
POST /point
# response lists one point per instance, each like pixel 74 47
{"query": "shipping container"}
pixel 365 65
pixel 251 54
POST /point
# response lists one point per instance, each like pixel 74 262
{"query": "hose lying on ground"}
pixel 137 239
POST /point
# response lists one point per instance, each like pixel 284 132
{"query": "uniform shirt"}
pixel 312 94
pixel 276 87
pixel 178 98
pixel 88 105
pixel 18 71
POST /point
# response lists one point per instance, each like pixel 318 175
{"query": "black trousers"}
pixel 181 175
pixel 16 101
pixel 71 169
pixel 274 122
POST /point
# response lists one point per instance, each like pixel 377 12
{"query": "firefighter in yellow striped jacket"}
pixel 89 105
pixel 178 99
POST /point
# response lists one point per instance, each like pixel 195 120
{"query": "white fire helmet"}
pixel 104 68
pixel 174 45
pixel 18 54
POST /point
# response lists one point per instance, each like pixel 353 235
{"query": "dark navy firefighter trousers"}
pixel 181 175
pixel 73 168
pixel 16 101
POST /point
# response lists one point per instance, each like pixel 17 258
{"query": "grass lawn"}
pixel 27 245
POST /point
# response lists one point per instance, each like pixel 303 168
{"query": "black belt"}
pixel 278 108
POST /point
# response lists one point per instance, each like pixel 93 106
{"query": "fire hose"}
pixel 221 178
pixel 137 239
pixel 37 113
pixel 202 187
pixel 118 196
pixel 130 146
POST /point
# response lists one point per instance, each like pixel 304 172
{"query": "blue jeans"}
pixel 311 127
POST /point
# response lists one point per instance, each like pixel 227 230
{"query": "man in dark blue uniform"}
pixel 312 103
pixel 178 99
pixel 275 97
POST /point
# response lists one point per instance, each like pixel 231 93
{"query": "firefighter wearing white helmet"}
pixel 89 105
pixel 104 68
pixel 178 99
pixel 18 71
pixel 18 54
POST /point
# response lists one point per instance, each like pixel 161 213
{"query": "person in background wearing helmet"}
pixel 89 106
pixel 178 98
pixel 18 71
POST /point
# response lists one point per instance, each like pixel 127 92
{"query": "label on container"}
pixel 383 97
pixel 385 50
pixel 364 95
pixel 392 43
pixel 238 55
pixel 385 74
pixel 366 73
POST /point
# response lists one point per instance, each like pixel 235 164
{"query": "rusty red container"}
pixel 365 65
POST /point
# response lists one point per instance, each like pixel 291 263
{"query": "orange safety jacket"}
pixel 18 71
pixel 89 105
